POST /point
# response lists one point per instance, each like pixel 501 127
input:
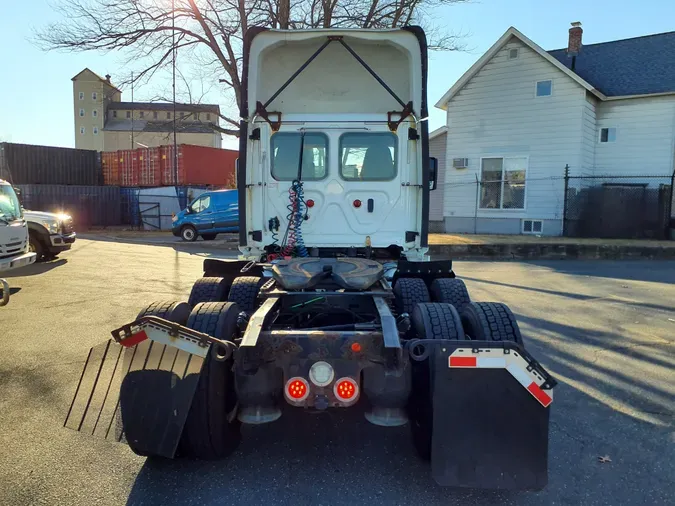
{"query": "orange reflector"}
pixel 356 347
pixel 346 389
pixel 297 389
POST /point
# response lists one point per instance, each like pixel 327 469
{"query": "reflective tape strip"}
pixel 515 364
pixel 462 361
pixel 539 394
pixel 519 374
pixel 491 363
pixel 134 339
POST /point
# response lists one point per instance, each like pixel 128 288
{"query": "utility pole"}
pixel 173 54
pixel 132 110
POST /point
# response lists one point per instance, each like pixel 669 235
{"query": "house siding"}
pixel 497 113
pixel 645 138
pixel 437 149
pixel 589 139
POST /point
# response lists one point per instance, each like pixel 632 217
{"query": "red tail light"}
pixel 310 203
pixel 297 389
pixel 357 203
pixel 346 390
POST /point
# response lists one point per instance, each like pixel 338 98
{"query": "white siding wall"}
pixel 590 137
pixel 497 113
pixel 645 137
pixel 437 149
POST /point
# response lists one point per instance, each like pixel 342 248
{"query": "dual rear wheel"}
pixel 451 316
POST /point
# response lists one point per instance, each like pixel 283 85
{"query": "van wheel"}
pixel 188 233
pixel 208 237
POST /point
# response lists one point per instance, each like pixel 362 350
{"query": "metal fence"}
pixel 623 207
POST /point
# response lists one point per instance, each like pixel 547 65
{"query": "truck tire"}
pixel 209 237
pixel 188 233
pixel 145 380
pixel 212 430
pixel 409 292
pixel 490 321
pixel 177 312
pixel 430 321
pixel 450 291
pixel 35 246
pixel 244 291
pixel 208 290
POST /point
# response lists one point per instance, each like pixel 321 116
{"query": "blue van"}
pixel 210 214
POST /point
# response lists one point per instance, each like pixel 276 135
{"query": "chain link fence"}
pixel 618 207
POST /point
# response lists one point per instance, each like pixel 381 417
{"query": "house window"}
pixel 208 116
pixel 182 115
pixel 114 114
pixel 128 114
pixel 154 115
pixel 544 88
pixel 95 130
pixel 94 95
pixel 608 135
pixel 82 130
pixel 82 95
pixel 94 113
pixel 142 114
pixel 81 113
pixel 168 115
pixel 502 183
pixel 533 226
pixel 513 54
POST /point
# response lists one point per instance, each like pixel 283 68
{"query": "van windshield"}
pixel 10 209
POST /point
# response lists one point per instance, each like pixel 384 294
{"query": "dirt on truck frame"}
pixel 334 302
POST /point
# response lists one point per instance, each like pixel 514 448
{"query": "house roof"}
pixel 637 66
pixel 126 125
pixel 105 81
pixel 496 47
pixel 163 106
pixel 438 132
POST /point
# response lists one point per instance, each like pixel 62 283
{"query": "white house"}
pixel 520 115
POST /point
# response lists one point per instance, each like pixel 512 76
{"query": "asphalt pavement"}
pixel 604 329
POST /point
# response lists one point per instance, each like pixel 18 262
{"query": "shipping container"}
pixel 88 205
pixel 110 165
pixel 128 167
pixel 130 214
pixel 198 165
pixel 29 164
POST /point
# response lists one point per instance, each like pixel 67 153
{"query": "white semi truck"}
pixel 14 244
pixel 334 302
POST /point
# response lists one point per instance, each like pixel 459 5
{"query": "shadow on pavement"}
pixel 332 458
pixel 570 295
pixel 35 269
pixel 633 270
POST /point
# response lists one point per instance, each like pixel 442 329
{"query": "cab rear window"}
pixel 286 156
pixel 368 156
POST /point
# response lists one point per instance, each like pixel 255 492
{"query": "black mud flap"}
pixel 139 395
pixel 489 430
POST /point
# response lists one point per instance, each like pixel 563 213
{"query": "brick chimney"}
pixel 574 44
pixel 107 76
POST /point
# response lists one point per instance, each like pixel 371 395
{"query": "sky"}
pixel 36 90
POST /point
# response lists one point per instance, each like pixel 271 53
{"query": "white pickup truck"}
pixel 14 248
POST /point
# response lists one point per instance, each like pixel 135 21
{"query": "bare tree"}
pixel 210 33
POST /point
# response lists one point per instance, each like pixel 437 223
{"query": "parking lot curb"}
pixel 552 251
